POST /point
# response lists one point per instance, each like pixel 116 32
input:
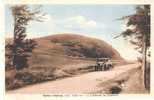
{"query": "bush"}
pixel 115 90
pixel 70 43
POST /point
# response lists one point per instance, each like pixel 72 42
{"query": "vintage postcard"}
pixel 77 49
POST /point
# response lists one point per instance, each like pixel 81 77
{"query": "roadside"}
pixel 86 83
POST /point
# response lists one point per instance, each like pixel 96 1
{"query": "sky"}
pixel 98 21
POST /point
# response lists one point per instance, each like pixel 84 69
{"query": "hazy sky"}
pixel 97 21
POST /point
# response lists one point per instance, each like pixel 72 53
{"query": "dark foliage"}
pixel 21 48
pixel 139 34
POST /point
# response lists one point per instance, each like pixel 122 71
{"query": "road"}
pixel 84 83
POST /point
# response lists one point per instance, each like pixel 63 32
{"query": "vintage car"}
pixel 103 64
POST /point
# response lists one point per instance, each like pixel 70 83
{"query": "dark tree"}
pixel 22 48
pixel 139 34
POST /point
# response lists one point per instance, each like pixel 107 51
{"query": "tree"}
pixel 139 33
pixel 22 47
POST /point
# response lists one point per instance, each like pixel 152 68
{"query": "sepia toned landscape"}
pixel 70 57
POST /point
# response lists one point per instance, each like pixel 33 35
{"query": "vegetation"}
pixel 70 43
pixel 21 48
pixel 139 33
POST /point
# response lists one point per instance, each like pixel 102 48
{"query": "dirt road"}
pixel 84 83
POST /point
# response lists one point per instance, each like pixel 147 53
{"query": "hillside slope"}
pixel 77 45
pixel 62 49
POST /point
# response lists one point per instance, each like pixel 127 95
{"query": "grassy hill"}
pixel 59 56
pixel 77 45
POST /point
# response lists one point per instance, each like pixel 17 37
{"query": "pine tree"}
pixel 139 34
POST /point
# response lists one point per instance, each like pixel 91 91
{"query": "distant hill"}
pixel 77 46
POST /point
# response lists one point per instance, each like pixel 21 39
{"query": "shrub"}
pixel 70 43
